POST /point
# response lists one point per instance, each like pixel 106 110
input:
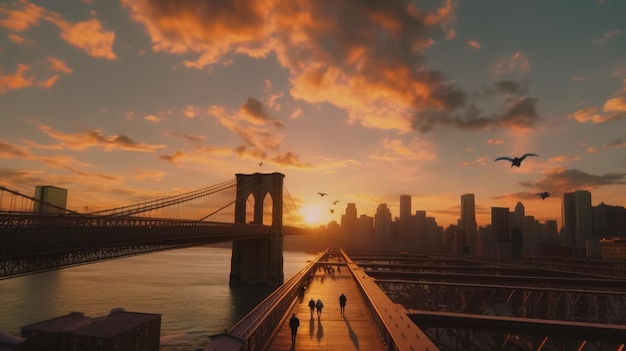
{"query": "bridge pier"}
pixel 259 260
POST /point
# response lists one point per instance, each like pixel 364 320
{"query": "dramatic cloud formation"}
pixel 364 57
pixel 563 180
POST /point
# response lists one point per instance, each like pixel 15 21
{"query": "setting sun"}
pixel 314 216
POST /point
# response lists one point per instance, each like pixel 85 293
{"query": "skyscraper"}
pixel 348 222
pixel 577 217
pixel 382 223
pixel 404 225
pixel 468 221
pixel 500 224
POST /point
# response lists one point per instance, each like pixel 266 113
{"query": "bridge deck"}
pixel 354 331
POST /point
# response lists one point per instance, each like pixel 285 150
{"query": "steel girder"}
pixel 527 302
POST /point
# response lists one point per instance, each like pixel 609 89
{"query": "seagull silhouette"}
pixel 516 161
pixel 332 211
pixel 543 195
pixel 335 202
pixel 322 194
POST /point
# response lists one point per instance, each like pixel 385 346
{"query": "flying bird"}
pixel 322 194
pixel 332 211
pixel 335 202
pixel 543 195
pixel 516 161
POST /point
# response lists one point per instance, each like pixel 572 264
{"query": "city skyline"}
pixel 123 100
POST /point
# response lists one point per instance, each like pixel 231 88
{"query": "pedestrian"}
pixel 294 323
pixel 342 303
pixel 319 305
pixel 312 306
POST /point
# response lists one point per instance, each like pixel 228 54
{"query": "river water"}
pixel 188 287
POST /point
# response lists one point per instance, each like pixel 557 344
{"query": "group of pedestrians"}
pixel 294 321
pixel 316 305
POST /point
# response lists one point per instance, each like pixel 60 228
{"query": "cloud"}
pixel 615 144
pixel 289 159
pixel 188 137
pixel 173 158
pixel 18 39
pixel 10 151
pixel 56 64
pixel 613 109
pixel 517 63
pixel 395 150
pixel 152 118
pixel 604 38
pixel 95 138
pixel 473 44
pixel 496 141
pixel 567 180
pixel 150 176
pixel 254 111
pixel 20 15
pixel 88 36
pixel 364 57
pixel 22 78
pixel 479 161
pixel 296 113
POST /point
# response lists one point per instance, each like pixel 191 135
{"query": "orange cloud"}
pixel 88 36
pixel 57 65
pixel 613 109
pixel 95 138
pixel 395 150
pixel 22 78
pixel 473 44
pixel 380 84
pixel 497 141
pixel 17 39
pixel 20 16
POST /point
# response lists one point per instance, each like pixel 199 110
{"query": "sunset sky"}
pixel 363 100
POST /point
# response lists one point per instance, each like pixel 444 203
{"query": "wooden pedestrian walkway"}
pixel 355 330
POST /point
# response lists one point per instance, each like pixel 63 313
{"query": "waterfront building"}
pixel 120 330
pixel 49 199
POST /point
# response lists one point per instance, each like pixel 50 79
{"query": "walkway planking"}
pixel 332 332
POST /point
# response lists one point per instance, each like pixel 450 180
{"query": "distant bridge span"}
pixel 33 242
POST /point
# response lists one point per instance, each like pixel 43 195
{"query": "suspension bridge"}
pixel 248 210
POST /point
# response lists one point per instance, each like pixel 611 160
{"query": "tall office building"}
pixel 348 222
pixel 382 223
pixel 50 199
pixel 517 215
pixel 468 221
pixel 404 222
pixel 500 224
pixel 577 218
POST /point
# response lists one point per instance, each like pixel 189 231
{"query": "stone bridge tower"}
pixel 259 260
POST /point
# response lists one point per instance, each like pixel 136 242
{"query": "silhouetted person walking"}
pixel 294 323
pixel 312 306
pixel 342 303
pixel 319 305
